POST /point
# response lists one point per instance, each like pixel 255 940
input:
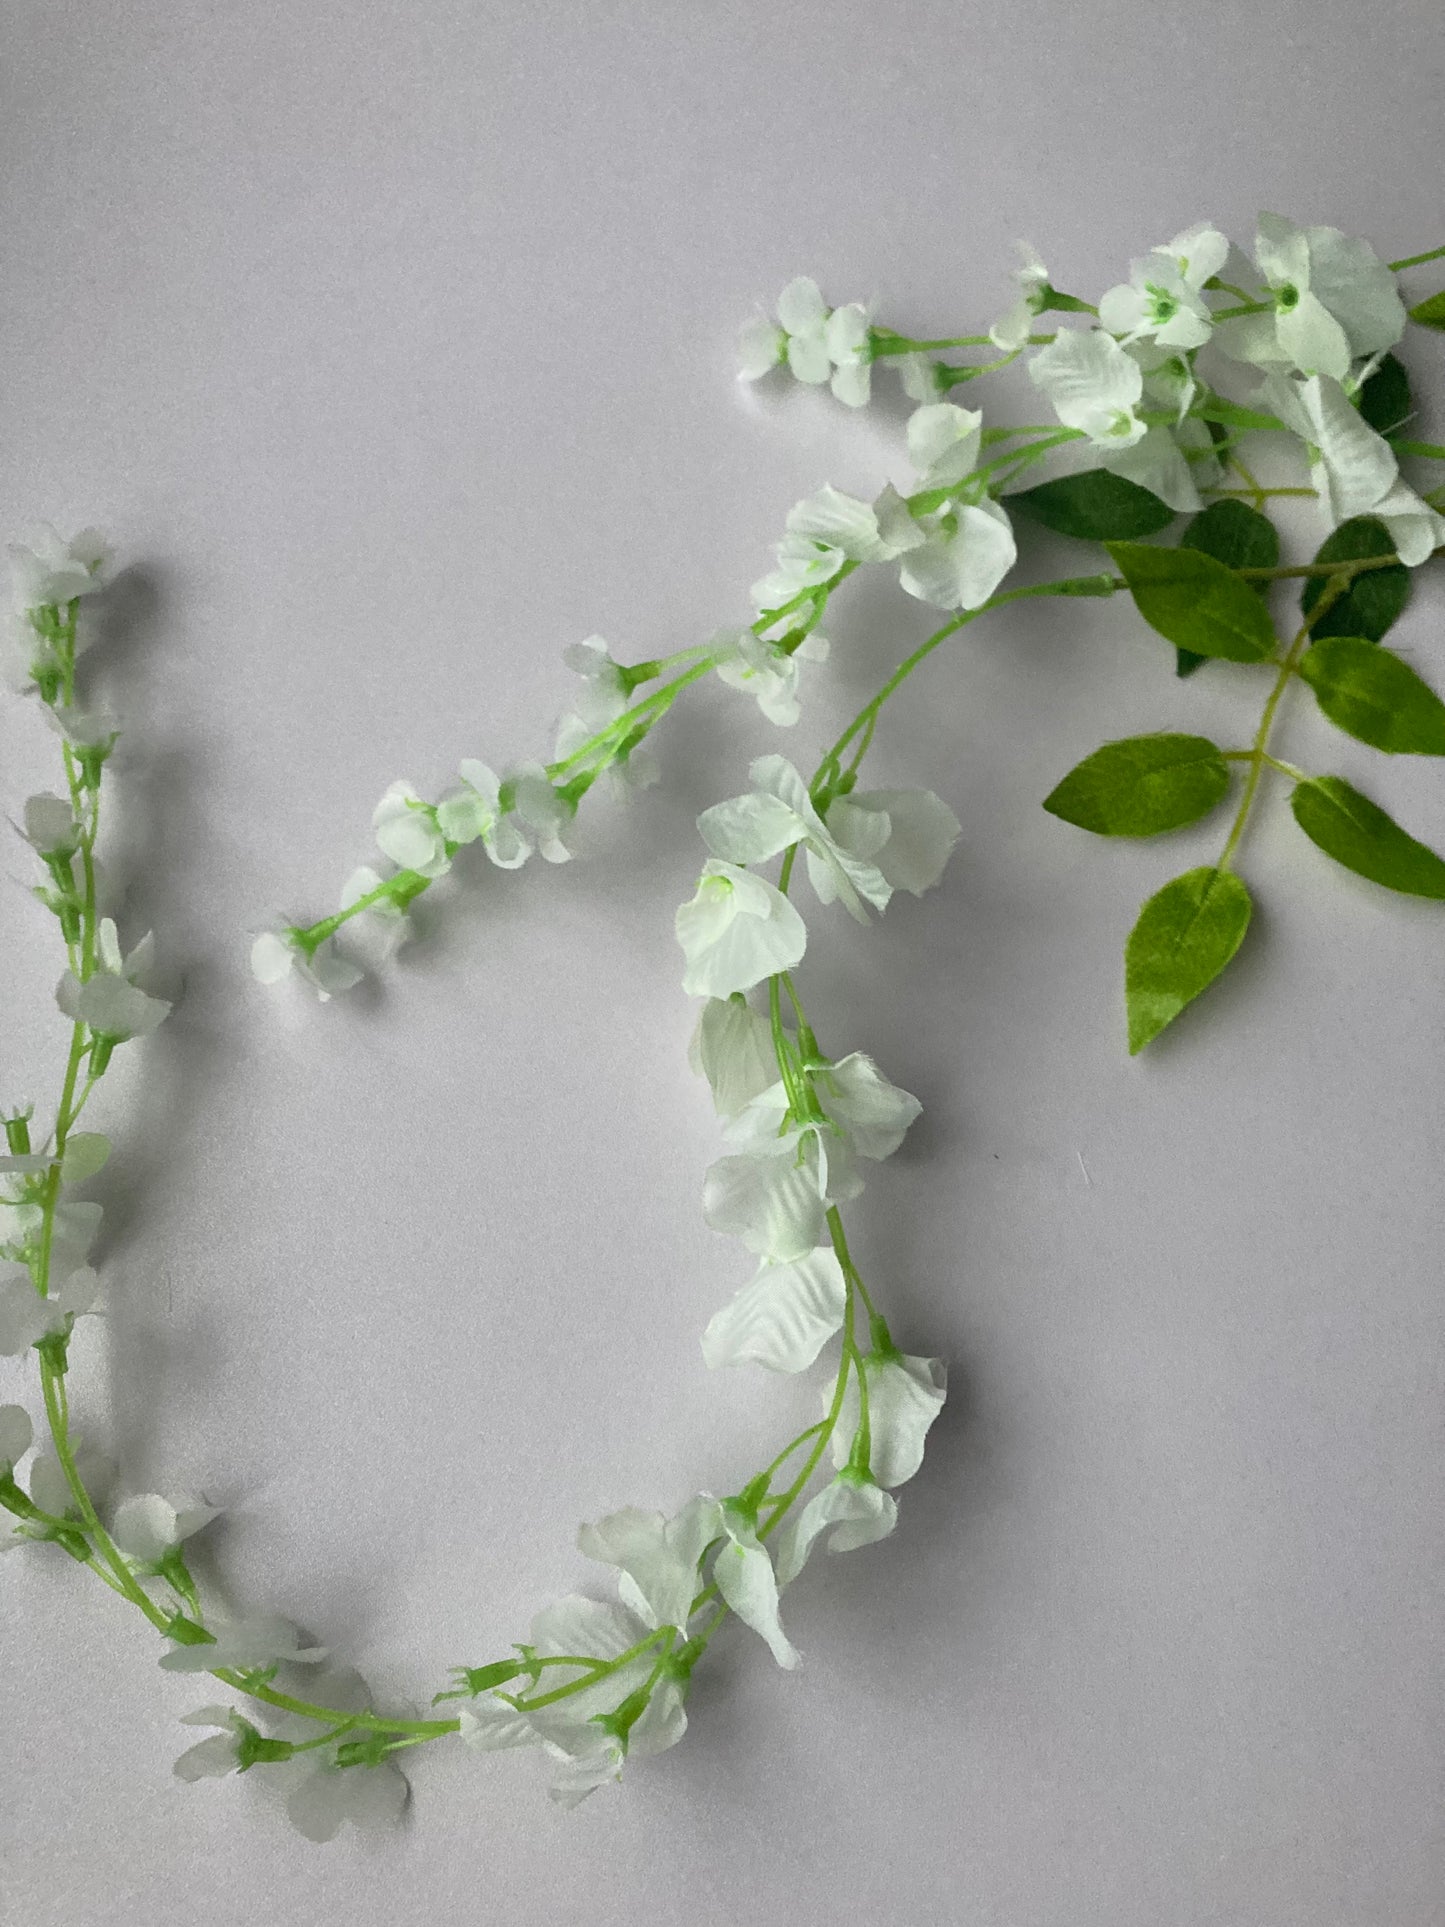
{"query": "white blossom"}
pixel 407 831
pixel 83 729
pixel 966 552
pixel 736 931
pixel 732 1047
pixel 590 1757
pixel 536 802
pixel 1011 332
pixel 1163 299
pixel 743 1574
pixel 922 377
pixel 766 671
pixel 213 1758
pixel 50 1488
pixel 915 846
pixel 905 1396
pixel 783 1319
pixel 943 442
pixel 52 571
pixel 1333 300
pixel 1355 469
pixel 50 825
pixel 1092 384
pixel 74 1227
pixel 111 1001
pixel 146 1527
pixel 16 1436
pixel 326 1796
pixel 657 1558
pixel 475 812
pixel 276 953
pixel 775 815
pixel 853 1510
pixel 775 1195
pixel 26 1318
pixel 818 344
pixel 258 1641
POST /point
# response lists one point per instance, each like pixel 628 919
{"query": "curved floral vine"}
pixel 1145 429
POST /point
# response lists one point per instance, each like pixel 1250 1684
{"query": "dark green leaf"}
pixel 1185 935
pixel 1431 313
pixel 1385 397
pixel 1195 602
pixel 1239 537
pixel 1098 506
pixel 1358 834
pixel 1375 600
pixel 1368 692
pixel 1142 785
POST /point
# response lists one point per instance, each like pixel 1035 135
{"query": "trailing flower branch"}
pixel 1157 390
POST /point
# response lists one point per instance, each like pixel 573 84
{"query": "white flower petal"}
pixel 774 1203
pixel 16 1435
pixel 733 1050
pixel 743 1574
pixel 761 346
pixel 783 1319
pixel 491 1726
pixel 750 829
pixel 874 1113
pixel 943 441
pixel 853 1512
pixel 905 1396
pixel 801 306
pixel 735 932
pixel 922 831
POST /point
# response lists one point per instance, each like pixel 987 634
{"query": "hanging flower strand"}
pixel 1157 391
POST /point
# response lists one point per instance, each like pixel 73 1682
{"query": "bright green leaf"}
pixel 1239 537
pixel 1358 834
pixel 1385 397
pixel 1195 602
pixel 1367 691
pixel 1186 934
pixel 1142 785
pixel 1097 506
pixel 1431 313
pixel 1376 599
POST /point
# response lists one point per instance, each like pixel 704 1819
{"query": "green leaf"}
pixel 1239 537
pixel 1195 602
pixel 1385 397
pixel 1358 834
pixel 1186 934
pixel 1098 507
pixel 1431 313
pixel 1367 691
pixel 1142 785
pixel 1376 600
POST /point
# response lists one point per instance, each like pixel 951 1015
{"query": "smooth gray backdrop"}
pixel 394 344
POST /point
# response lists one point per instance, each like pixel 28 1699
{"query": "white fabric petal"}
pixel 1157 463
pixel 854 1512
pixel 659 1557
pixel 801 306
pixel 1357 288
pixel 733 1049
pixel 841 521
pixel 783 1319
pixel 16 1435
pixel 750 829
pixel 209 1759
pixel 145 1527
pixel 874 1113
pixel 943 442
pixel 775 1204
pixel 1313 339
pixel 592 1628
pixel 491 1725
pixel 1200 252
pixel 743 1574
pixel 271 958
pixel 761 346
pixel 922 831
pixel 1360 465
pixel 853 384
pixel 1089 380
pixel 808 359
pixel 662 1722
pixel 735 932
pixel 905 1396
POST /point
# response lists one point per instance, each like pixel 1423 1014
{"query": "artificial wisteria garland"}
pixel 1156 392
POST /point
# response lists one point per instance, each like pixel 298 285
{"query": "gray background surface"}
pixel 394 344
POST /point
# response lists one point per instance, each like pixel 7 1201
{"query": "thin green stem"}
pixel 1415 260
